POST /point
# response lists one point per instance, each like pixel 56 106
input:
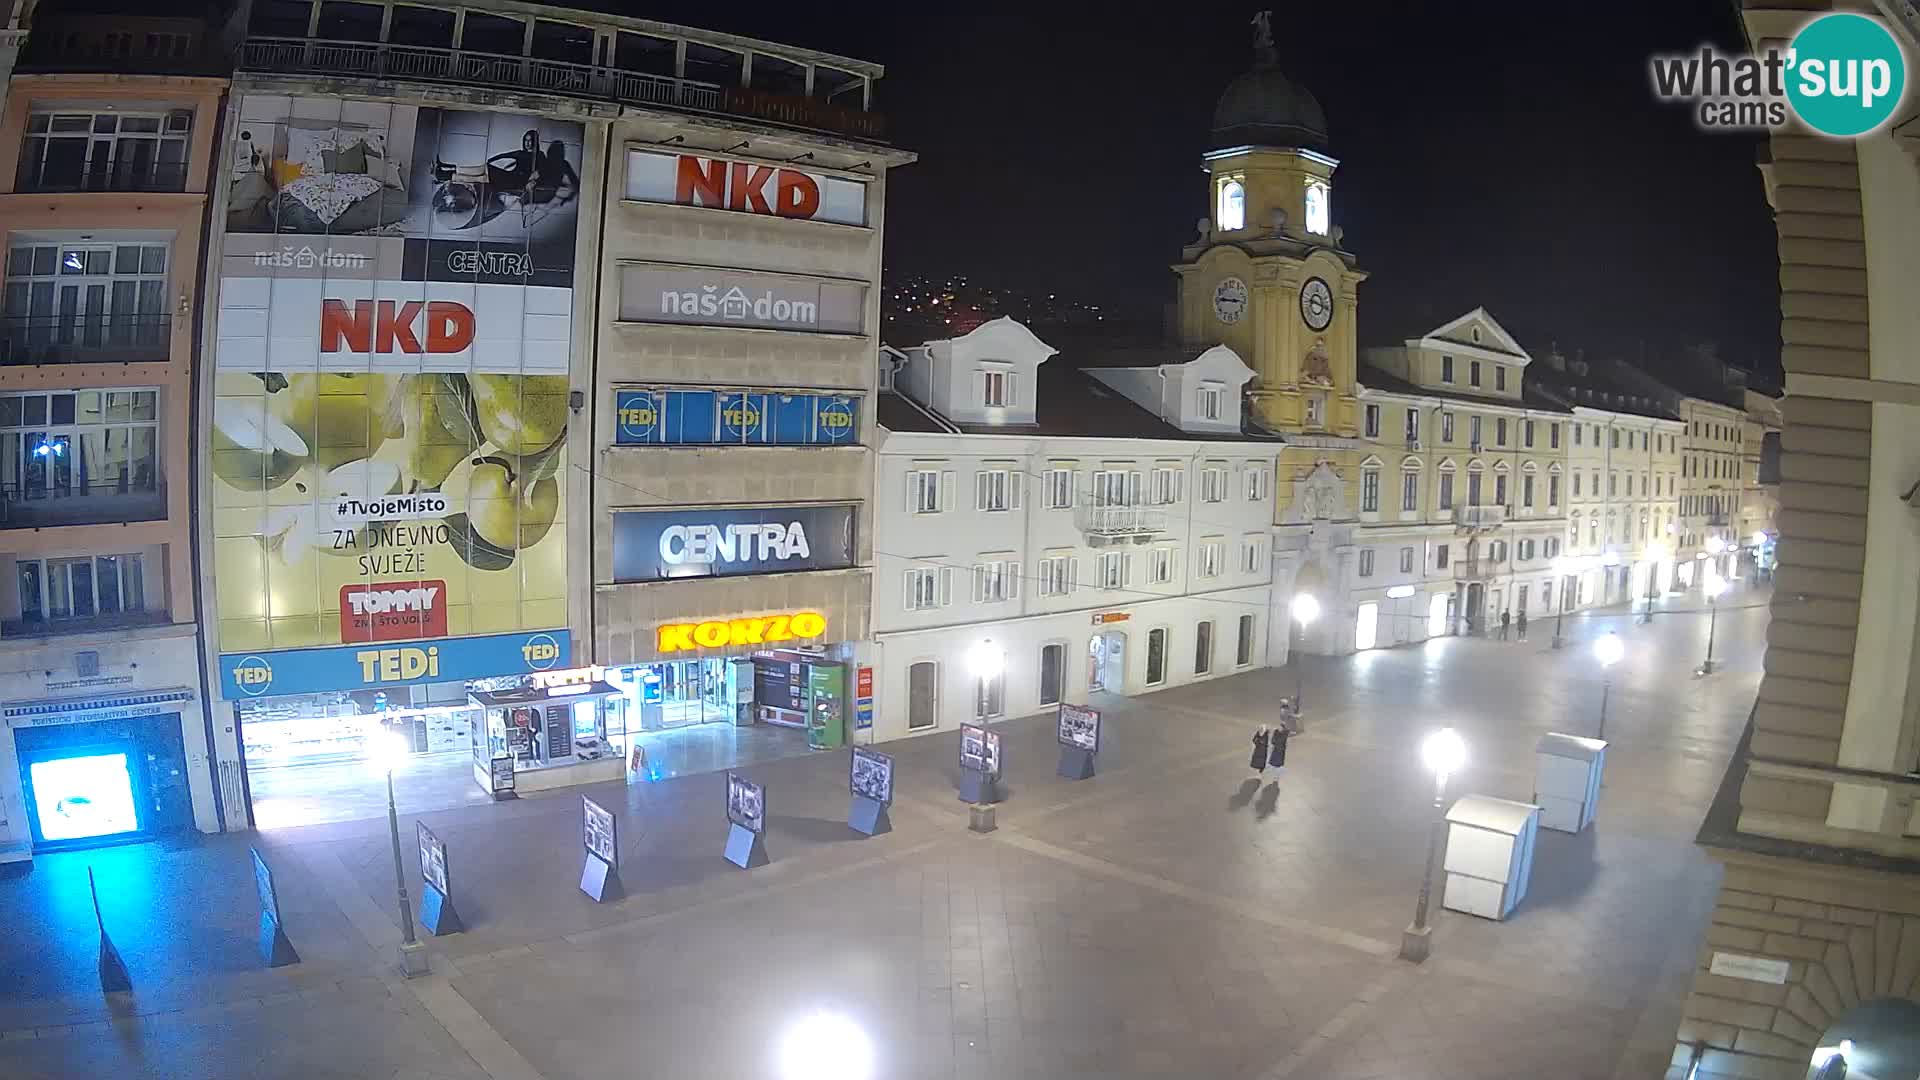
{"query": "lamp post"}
pixel 986 660
pixel 1560 617
pixel 384 752
pixel 1443 752
pixel 1716 546
pixel 1608 650
pixel 1715 586
pixel 1305 610
pixel 1656 554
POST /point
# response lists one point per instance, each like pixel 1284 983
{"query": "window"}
pixel 1253 553
pixel 80 457
pixel 1243 650
pixel 1526 433
pixel 1500 431
pixel 1373 421
pixel 1207 402
pixel 1233 206
pixel 1613 439
pixel 1160 562
pixel 1446 369
pixel 1612 485
pixel 1203 648
pixel 1500 489
pixel 1441 552
pixel 1213 484
pixel 928 587
pixel 1406 560
pixel 1116 487
pixel 1256 483
pixel 1057 486
pixel 1319 207
pixel 1497 551
pixel 1473 487
pixel 1156 656
pixel 1577 430
pixel 1370 491
pixel 1553 436
pixel 58 590
pixel 1446 427
pixel 1056 574
pixel 1526 492
pixel 1410 490
pixel 1166 485
pixel 87 302
pixel 990 696
pixel 1553 489
pixel 922 678
pixel 1473 431
pixel 106 151
pixel 1412 430
pixel 923 491
pixel 1113 570
pixel 1053 668
pixel 995 389
pixel 1446 491
pixel 996 489
pixel 1473 373
pixel 1316 410
pixel 1213 554
pixel 1552 546
pixel 995 580
pixel 1366 562
pixel 1499 376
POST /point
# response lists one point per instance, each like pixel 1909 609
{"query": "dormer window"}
pixel 1476 335
pixel 1233 206
pixel 1207 401
pixel 1319 207
pixel 996 388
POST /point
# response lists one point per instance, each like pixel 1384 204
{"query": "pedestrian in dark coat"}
pixel 1259 761
pixel 1521 624
pixel 1278 757
pixel 1506 619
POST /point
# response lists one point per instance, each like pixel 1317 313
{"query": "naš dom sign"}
pixel 760 630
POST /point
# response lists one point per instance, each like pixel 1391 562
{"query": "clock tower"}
pixel 1267 276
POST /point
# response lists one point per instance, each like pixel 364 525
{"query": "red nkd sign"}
pixel 736 185
pixel 386 326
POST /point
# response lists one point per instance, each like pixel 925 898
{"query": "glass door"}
pixel 1052 667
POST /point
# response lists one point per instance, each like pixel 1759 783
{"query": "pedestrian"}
pixel 1259 761
pixel 1506 619
pixel 1278 757
pixel 1289 716
pixel 1521 625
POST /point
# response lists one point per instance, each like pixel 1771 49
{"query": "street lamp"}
pixel 1305 610
pixel 384 751
pixel 986 660
pixel 1656 554
pixel 1608 650
pixel 1443 752
pixel 1715 586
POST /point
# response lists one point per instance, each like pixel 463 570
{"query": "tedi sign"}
pixel 652 545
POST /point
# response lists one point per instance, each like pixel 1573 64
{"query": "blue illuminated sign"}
pixel 734 418
pixel 363 667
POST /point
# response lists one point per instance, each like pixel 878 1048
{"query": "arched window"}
pixel 1233 206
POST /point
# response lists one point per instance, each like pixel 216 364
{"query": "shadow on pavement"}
pixel 1239 799
pixel 1268 802
pixel 817 830
pixel 1564 867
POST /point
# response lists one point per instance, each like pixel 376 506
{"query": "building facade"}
pixel 1098 529
pixel 1814 936
pixel 532 391
pixel 105 156
pixel 1712 456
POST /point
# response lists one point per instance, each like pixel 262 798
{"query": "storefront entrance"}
pixel 103 782
pixel 1107 662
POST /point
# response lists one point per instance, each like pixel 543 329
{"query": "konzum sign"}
pixel 745 187
pixel 729 633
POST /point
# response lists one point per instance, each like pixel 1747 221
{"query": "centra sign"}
pixel 762 630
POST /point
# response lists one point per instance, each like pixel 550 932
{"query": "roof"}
pixel 895 413
pixel 1594 388
pixel 1068 401
pixel 1374 378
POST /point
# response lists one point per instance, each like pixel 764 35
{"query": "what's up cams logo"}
pixel 1842 75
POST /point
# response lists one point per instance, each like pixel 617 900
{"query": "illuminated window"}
pixel 1233 206
pixel 1319 207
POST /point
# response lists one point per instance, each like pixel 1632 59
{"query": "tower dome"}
pixel 1265 108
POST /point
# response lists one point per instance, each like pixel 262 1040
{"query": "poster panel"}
pixel 746 803
pixel 1079 727
pixel 871 775
pixel 390 416
pixel 433 858
pixel 600 832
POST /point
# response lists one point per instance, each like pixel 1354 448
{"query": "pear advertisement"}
pixel 388 442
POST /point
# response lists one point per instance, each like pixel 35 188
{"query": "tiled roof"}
pixel 1375 379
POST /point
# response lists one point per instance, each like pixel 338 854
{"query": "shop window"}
pixel 1243 650
pixel 1203 647
pixel 1053 665
pixel 923 680
pixel 1156 656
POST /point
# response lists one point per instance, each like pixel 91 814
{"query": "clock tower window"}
pixel 1232 214
pixel 1319 205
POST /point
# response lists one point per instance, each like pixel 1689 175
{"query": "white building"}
pixel 1107 528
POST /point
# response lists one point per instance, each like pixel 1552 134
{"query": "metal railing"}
pixel 1121 520
pixel 109 502
pixel 382 61
pixel 51 175
pixel 1479 517
pixel 119 620
pixel 85 339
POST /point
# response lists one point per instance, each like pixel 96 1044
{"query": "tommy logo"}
pixel 393 611
pixel 386 326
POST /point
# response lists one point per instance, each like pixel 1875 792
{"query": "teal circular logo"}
pixel 1846 74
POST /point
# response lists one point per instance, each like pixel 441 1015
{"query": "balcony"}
pixel 85 339
pixel 45 628
pixel 1478 569
pixel 375 60
pixel 1120 524
pixel 106 503
pixel 58 175
pixel 1479 517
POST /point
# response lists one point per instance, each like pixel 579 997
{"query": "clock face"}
pixel 1230 300
pixel 1316 304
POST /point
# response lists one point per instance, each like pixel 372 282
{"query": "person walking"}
pixel 1259 760
pixel 1521 624
pixel 1278 755
pixel 1289 716
pixel 1506 619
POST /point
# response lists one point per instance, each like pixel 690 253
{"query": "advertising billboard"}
pixel 673 417
pixel 746 803
pixel 745 187
pixel 699 296
pixel 388 441
pixel 653 545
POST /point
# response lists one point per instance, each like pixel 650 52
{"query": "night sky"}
pixel 1495 153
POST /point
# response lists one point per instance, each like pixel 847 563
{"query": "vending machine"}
pixel 826 705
